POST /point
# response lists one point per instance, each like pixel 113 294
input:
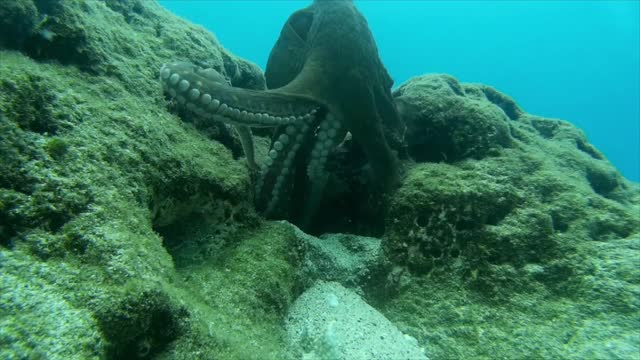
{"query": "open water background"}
pixel 574 60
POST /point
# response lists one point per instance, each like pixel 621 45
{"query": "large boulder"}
pixel 508 229
pixel 124 232
pixel 353 261
pixel 513 206
pixel 448 121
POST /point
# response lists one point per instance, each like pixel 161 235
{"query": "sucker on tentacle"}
pixel 205 92
pixel 325 78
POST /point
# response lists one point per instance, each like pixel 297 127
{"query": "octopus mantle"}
pixel 324 79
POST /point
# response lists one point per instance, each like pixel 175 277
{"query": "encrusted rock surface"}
pixel 122 226
pixel 449 121
pixel 356 262
pixel 507 231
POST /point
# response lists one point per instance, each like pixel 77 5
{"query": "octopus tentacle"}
pixel 206 93
pixel 298 121
pixel 329 135
pixel 328 79
pixel 273 186
pixel 318 139
pixel 246 139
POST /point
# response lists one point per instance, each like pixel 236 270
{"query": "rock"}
pixel 18 21
pixel 448 121
pixel 38 321
pixel 507 208
pixel 329 321
pixel 115 216
pixel 351 260
pixel 498 248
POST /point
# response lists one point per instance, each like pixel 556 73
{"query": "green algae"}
pixel 595 318
pixel 39 318
pixel 93 166
pixel 517 252
pixel 241 299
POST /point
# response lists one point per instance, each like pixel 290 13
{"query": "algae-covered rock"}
pixel 350 260
pixel 99 184
pixel 513 246
pixel 18 20
pixel 139 323
pixel 238 297
pixel 510 207
pixel 447 121
pixel 38 321
pixel 124 39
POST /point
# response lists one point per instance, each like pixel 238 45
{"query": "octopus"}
pixel 325 81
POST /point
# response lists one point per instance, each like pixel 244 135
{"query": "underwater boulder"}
pixel 108 200
pixel 39 319
pixel 124 39
pixel 544 179
pixel 442 214
pixel 352 261
pixel 18 19
pixel 496 255
pixel 448 121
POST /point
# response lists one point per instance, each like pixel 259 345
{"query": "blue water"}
pixel 574 60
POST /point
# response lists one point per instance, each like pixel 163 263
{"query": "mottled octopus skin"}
pixel 324 78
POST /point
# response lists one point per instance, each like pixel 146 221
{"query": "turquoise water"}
pixel 574 60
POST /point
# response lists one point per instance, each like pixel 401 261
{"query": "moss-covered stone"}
pixel 56 148
pixel 452 321
pixel 96 178
pixel 447 121
pixel 443 213
pixel 507 208
pixel 140 324
pixel 18 20
pixel 516 254
pixel 240 295
pixel 40 319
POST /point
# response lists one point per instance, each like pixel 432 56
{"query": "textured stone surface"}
pixel 329 321
pixel 515 206
pixel 497 235
pixel 116 218
pixel 448 121
pixel 350 260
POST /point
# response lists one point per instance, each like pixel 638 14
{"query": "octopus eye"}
pixel 301 22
